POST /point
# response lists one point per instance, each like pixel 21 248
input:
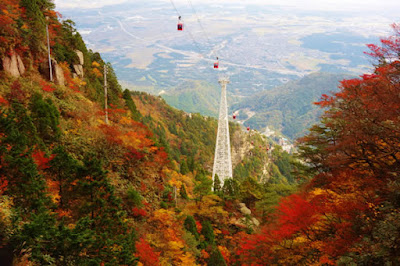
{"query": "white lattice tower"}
pixel 222 157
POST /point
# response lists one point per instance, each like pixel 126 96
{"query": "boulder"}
pixel 243 209
pixel 58 74
pixel 255 222
pixel 79 70
pixel 21 66
pixel 80 56
pixel 13 65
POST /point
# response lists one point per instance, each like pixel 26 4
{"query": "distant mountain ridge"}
pixel 289 108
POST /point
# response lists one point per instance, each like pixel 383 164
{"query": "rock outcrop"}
pixel 58 74
pixel 80 56
pixel 247 221
pixel 78 68
pixel 243 209
pixel 13 65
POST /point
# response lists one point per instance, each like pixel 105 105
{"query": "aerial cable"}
pixel 188 31
pixel 216 63
pixel 172 2
pixel 198 20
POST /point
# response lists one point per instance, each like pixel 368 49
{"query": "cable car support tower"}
pixel 222 156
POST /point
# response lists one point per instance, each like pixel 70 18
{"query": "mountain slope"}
pixel 78 189
pixel 194 97
pixel 289 108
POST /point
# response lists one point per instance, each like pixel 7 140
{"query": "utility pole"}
pixel 222 157
pixel 175 196
pixel 105 93
pixel 48 48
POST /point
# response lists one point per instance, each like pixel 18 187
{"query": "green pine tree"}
pixel 216 258
pixel 63 170
pixel 190 225
pixel 183 192
pixel 204 184
pixel 184 168
pixel 45 117
pixel 208 232
pixel 131 105
pixel 217 183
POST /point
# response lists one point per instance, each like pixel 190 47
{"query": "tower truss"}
pixel 222 156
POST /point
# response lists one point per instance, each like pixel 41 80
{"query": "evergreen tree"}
pixel 190 225
pixel 63 170
pixel 208 232
pixel 184 168
pixel 216 258
pixel 105 216
pixel 36 35
pixel 217 183
pixel 204 184
pixel 183 192
pixel 190 163
pixel 18 133
pixel 131 105
pixel 45 117
pixel 134 198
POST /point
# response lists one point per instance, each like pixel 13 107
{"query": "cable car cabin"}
pixel 234 116
pixel 180 26
pixel 216 63
pixel 248 128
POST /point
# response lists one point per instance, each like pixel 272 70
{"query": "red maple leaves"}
pixel 40 159
pixel 147 256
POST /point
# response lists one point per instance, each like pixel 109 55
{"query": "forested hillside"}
pixel 348 212
pixel 136 189
pixel 289 108
pixel 76 190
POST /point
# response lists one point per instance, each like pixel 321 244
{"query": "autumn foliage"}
pixel 146 254
pixel 354 156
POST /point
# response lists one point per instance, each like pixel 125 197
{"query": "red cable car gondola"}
pixel 216 63
pixel 248 128
pixel 234 116
pixel 180 24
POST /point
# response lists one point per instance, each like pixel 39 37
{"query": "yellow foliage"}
pixel 210 207
pixel 175 245
pixel 163 216
pixel 187 260
pixel 95 64
pixel 77 81
pixel 125 120
pixel 5 210
pixel 97 72
pixel 177 179
pixel 53 190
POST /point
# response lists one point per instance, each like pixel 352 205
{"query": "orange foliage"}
pixel 68 77
pixel 170 242
pixel 10 12
pixel 3 101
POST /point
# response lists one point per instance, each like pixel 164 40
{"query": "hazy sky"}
pixel 322 5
